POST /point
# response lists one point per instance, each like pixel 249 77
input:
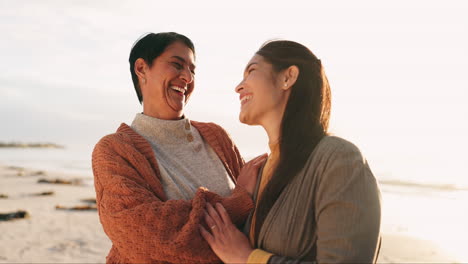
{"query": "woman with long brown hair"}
pixel 316 199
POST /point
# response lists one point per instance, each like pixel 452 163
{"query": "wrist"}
pixel 246 255
pixel 259 256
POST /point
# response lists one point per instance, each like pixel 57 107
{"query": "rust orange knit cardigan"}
pixel 133 209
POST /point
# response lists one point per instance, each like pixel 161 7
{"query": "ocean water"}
pixel 70 160
pixel 421 175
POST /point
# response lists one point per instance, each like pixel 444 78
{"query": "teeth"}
pixel 245 98
pixel 182 90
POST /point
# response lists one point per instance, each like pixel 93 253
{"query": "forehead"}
pixel 179 49
pixel 256 59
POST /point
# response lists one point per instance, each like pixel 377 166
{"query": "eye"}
pixel 250 70
pixel 177 65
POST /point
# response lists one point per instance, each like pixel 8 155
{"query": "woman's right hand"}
pixel 249 173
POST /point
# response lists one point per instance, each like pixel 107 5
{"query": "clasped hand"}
pixel 226 241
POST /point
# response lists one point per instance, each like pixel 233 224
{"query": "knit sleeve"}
pixel 141 226
pixel 348 211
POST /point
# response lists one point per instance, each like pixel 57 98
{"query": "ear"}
pixel 140 70
pixel 290 77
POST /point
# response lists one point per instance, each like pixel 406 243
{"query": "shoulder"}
pixel 341 168
pixel 123 136
pixel 336 146
pixel 335 157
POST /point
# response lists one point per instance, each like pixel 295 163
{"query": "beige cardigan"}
pixel 329 213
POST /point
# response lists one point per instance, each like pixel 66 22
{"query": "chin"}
pixel 245 119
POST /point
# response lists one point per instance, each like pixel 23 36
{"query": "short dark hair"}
pixel 149 47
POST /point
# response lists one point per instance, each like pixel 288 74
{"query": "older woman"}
pixel 154 178
pixel 317 199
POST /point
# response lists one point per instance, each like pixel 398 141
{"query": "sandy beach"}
pixel 48 235
pixel 51 235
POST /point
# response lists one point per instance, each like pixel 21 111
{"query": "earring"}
pixel 144 81
pixel 285 84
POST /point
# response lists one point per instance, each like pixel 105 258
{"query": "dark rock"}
pixel 77 208
pixel 14 215
pixel 89 200
pixel 43 193
pixel 61 181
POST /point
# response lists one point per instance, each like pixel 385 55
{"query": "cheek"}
pixel 164 74
pixel 266 92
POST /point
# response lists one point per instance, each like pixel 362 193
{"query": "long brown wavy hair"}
pixel 305 120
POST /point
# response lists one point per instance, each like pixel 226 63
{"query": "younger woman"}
pixel 317 199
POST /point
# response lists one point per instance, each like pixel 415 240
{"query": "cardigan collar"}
pixel 206 130
pixel 164 132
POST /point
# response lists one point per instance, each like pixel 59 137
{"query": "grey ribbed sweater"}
pixel 186 161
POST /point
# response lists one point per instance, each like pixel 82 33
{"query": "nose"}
pixel 239 87
pixel 187 76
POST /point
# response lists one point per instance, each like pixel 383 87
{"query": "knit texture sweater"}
pixel 185 160
pixel 142 224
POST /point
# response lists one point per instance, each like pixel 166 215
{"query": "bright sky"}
pixel 398 71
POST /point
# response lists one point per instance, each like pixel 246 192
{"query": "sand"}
pixel 49 235
pixel 61 236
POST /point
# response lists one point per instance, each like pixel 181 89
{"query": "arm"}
pixel 347 209
pixel 141 226
pixel 231 245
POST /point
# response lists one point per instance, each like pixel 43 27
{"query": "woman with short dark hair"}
pixel 154 178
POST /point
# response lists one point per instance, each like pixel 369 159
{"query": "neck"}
pixel 149 111
pixel 273 134
pixel 272 121
pixel 272 126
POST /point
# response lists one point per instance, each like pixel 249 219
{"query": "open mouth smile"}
pixel 179 90
pixel 245 98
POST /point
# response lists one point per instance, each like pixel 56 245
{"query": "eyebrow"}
pixel 184 61
pixel 248 66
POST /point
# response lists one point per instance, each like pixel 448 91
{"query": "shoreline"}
pixel 54 235
pixel 30 145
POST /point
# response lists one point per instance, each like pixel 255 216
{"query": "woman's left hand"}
pixel 227 242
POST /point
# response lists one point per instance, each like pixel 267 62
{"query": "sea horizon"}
pixel 75 159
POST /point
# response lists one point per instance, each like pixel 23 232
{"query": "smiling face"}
pixel 168 83
pixel 262 93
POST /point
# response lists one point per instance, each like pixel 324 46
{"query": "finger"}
pixel 255 163
pixel 261 157
pixel 215 216
pixel 211 224
pixel 256 158
pixel 258 163
pixel 223 213
pixel 206 235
